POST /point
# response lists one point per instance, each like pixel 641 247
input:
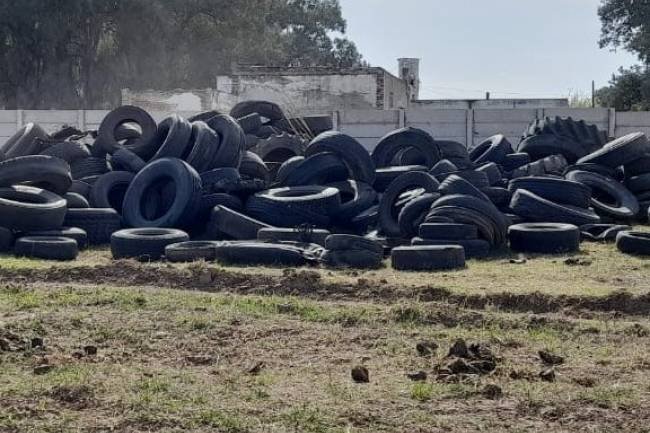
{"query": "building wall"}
pixel 170 101
pixel 467 104
pixel 396 92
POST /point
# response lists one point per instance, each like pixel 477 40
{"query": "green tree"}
pixel 80 53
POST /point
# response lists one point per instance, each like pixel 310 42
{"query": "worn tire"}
pixel 42 171
pixel 226 223
pixel 341 242
pixel 143 146
pixel 492 149
pixel 204 144
pixel 305 236
pixel 269 110
pixel 414 212
pixel 602 232
pixel 125 160
pixel 261 253
pixel 172 137
pixel 144 243
pixel 631 242
pixel 448 232
pixel 356 197
pixel 428 258
pixel 626 205
pixel 99 224
pixel 390 144
pixel 86 167
pixel 27 208
pixel 349 150
pixel 560 191
pixel 252 167
pixel 474 248
pixel 110 189
pixel 231 142
pixel 544 238
pixel 191 251
pixel 318 169
pixel 386 175
pixel 27 141
pixel 46 247
pixel 356 259
pixel 79 235
pixel 534 208
pixel 75 200
pixel 621 151
pixel 68 151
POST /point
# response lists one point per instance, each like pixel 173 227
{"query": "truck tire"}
pixel 544 238
pixel 46 248
pixel 146 244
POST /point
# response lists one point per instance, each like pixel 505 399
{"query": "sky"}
pixel 511 48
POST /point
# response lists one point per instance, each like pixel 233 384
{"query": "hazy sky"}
pixel 512 48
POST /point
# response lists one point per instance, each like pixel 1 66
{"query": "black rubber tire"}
pixel 231 142
pixel 366 219
pixel 191 251
pixel 46 248
pixel 27 141
pixel 172 137
pixel 455 184
pixel 356 197
pixel 306 236
pixel 594 168
pixel 109 190
pixel 560 191
pixel 125 160
pixel 478 179
pixel 349 150
pixel 251 123
pixel 602 232
pixel 390 144
pixel 204 144
pixel 544 238
pixel 279 148
pixel 295 206
pixel 534 208
pixel 186 198
pixel 144 243
pixel 262 253
pixel 225 223
pixel 442 169
pixel 388 212
pixel 80 187
pixel 203 116
pixel 99 224
pixel 86 167
pixel 343 242
pixel 68 151
pixel 143 146
pixel 27 208
pixel 474 248
pixel 428 258
pixel 498 196
pixel 287 167
pixel 462 215
pixel 448 232
pixel 515 160
pixel 6 240
pixel 635 243
pixel 305 125
pixel 453 149
pixel 639 184
pixel 269 110
pixel 414 212
pixel 639 166
pixel 42 171
pixel 621 151
pixel 252 167
pixel 319 169
pixel 79 235
pixel 75 201
pixel 492 149
pixel 626 205
pixel 386 175
pixel 355 259
pixel 492 172
pixel 216 180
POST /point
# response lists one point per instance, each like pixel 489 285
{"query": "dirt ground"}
pixel 537 344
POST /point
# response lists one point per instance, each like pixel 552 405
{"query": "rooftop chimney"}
pixel 409 70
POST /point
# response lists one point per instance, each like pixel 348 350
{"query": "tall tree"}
pixel 80 53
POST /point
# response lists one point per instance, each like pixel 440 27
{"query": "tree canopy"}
pixel 80 53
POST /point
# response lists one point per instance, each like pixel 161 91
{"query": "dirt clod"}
pixel 492 392
pixel 459 349
pixel 638 330
pixel 43 369
pixel 419 376
pixel 199 359
pixel 37 342
pixel 426 348
pixel 90 350
pixel 574 261
pixel 547 375
pixel 257 368
pixel 550 358
pixel 360 374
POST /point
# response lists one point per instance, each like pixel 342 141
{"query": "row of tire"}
pixel 198 175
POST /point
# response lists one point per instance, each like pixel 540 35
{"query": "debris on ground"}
pixel 360 374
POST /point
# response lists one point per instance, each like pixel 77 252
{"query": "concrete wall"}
pixel 396 92
pixel 468 104
pixel 466 126
pixel 171 101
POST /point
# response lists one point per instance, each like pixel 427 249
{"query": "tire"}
pixel 89 167
pixel 191 251
pixel 428 258
pixel 295 206
pixel 252 167
pixel 625 206
pixel 388 213
pixel 269 110
pixel 287 167
pixel 498 196
pixel 457 214
pixel 75 201
pixel 514 161
pixel 46 248
pixel 228 224
pixel 356 197
pixel 68 151
pixel 452 149
pixel 602 232
pixel 493 149
pixel 339 242
pixel 260 253
pixel 99 224
pixel 250 123
pixel 42 171
pixel 109 190
pixel 143 146
pixel 366 219
pixel 356 259
pixel 26 208
pixel 413 213
pixel 125 160
pixel 621 151
pixel 350 151
pixel 639 166
pixel 594 168
pixel 385 176
pixel 231 142
pixel 390 144
pixel 306 236
pixel 27 141
pixel 319 169
pixel 172 137
pixel 544 238
pixel 476 178
pixel 442 169
pixel 6 240
pixel 448 232
pixel 80 187
pixel 279 148
pixel 144 243
pixel 203 116
pixel 187 194
pixel 204 144
pixel 306 125
pixel 455 184
pixel 492 172
pixel 534 208
pixel 216 180
pixel 560 191
pixel 474 248
pixel 79 235
pixel 639 184
pixel 631 242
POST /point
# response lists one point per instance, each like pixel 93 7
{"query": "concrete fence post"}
pixel 19 119
pixel 81 119
pixel 402 119
pixel 469 129
pixel 335 120
pixel 611 127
